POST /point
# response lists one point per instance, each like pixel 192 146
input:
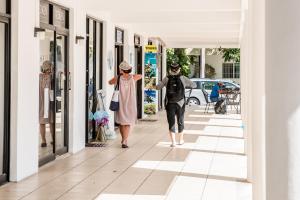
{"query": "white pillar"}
pixel 24 90
pixel 203 63
pixel 282 100
pixel 257 93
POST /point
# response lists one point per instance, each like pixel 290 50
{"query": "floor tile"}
pixel 226 190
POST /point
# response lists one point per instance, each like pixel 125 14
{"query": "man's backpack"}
pixel 175 89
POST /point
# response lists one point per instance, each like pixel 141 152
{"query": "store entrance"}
pixel 4 98
pixel 54 81
pixel 53 96
pixel 160 76
pixel 139 85
pixel 93 73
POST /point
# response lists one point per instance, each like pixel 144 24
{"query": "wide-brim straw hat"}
pixel 125 66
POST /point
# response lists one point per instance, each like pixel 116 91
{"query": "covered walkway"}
pixel 211 165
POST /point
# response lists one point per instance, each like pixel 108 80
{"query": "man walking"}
pixel 175 84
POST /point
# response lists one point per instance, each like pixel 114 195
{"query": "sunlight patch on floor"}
pixel 214 122
pixel 227 190
pixel 185 187
pixel 235 117
pixel 129 197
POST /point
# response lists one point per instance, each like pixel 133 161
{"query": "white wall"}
pixel 282 100
pixel 216 61
pixel 25 84
pixel 24 91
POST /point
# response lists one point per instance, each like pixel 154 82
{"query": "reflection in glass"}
pixel 2 67
pixel 60 92
pixel 91 81
pixel 98 53
pixel 46 95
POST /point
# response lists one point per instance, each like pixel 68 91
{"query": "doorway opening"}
pixel 160 74
pixel 54 82
pixel 94 72
pixel 4 90
pixel 138 55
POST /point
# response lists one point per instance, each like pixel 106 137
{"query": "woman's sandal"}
pixel 181 142
pixel 124 146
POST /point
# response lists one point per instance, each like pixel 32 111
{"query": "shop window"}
pixel 227 70
pixel 231 70
pixel 237 70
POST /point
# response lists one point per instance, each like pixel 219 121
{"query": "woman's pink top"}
pixel 127 114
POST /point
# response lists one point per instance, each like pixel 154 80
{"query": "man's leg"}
pixel 171 111
pixel 180 120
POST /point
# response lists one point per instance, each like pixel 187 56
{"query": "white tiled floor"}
pixel 211 165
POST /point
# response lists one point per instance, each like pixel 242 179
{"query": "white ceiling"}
pixel 179 23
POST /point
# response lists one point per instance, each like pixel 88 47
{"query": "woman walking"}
pixel 127 114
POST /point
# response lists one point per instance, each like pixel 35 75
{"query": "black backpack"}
pixel 175 89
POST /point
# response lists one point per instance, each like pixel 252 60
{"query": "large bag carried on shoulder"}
pixel 114 103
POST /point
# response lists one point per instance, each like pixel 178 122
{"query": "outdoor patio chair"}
pixel 234 101
pixel 208 101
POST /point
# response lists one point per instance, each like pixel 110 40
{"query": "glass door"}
pixel 53 96
pixel 91 133
pixel 2 69
pixel 139 88
pixel 4 89
pixel 46 97
pixel 94 73
pixel 61 95
pixel 4 102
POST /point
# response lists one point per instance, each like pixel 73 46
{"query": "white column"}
pixel 203 63
pixel 257 92
pixel 24 90
pixel 282 100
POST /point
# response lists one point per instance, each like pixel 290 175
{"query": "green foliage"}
pixel 231 55
pixel 179 56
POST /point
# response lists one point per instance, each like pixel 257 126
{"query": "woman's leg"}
pixel 43 133
pixel 171 111
pixel 180 120
pixel 126 133
pixel 122 133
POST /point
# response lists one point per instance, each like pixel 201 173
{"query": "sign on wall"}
pixel 59 17
pixel 150 100
pixel 151 49
pixel 44 12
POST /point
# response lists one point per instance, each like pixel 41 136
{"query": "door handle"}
pixel 69 81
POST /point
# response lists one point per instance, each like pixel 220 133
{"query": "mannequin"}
pixel 46 101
